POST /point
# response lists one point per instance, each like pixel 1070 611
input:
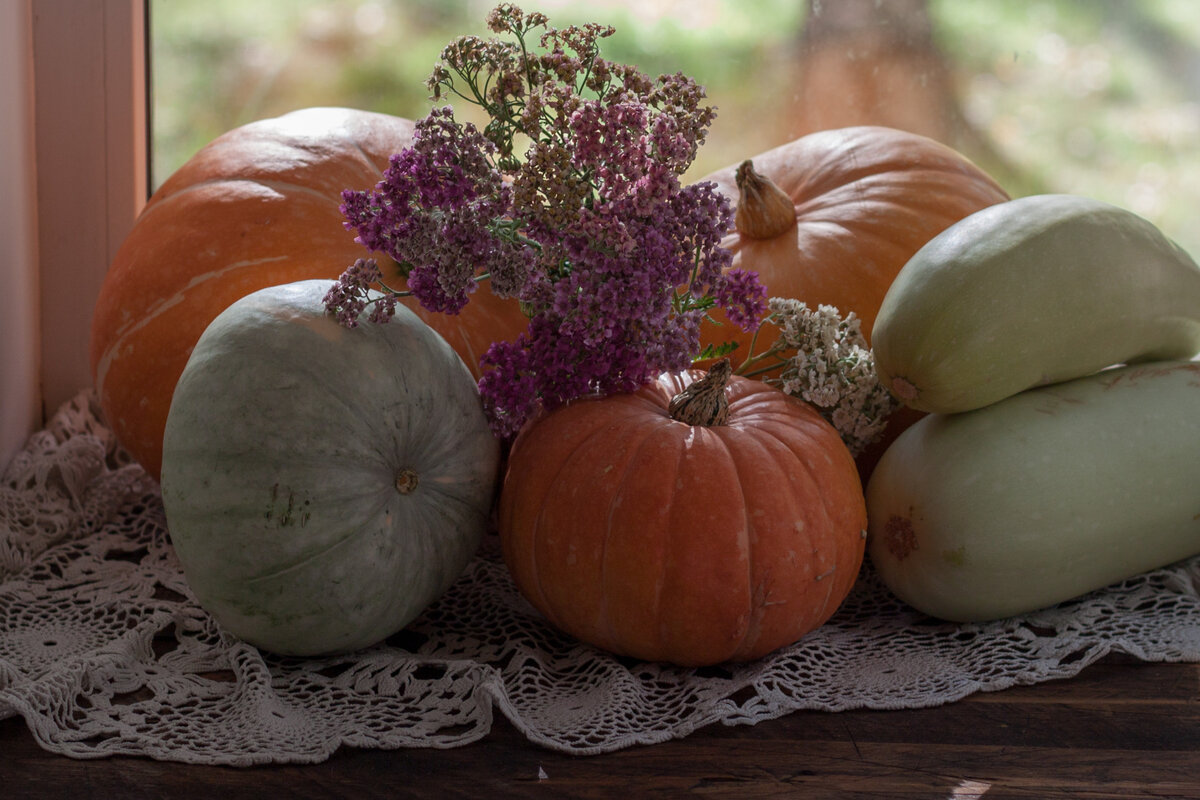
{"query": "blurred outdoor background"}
pixel 1091 97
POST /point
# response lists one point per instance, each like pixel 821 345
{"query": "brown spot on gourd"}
pixel 904 389
pixel 899 536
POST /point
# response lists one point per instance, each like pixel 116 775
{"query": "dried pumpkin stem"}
pixel 406 481
pixel 764 211
pixel 703 402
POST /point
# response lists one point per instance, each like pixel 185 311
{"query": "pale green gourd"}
pixel 322 485
pixel 1029 292
pixel 1041 497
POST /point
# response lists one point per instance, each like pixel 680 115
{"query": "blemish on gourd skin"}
pixel 899 536
pixel 957 557
pixel 271 505
pixel 904 389
pixel 290 514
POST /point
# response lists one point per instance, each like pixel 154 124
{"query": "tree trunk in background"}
pixel 876 62
pixel 872 62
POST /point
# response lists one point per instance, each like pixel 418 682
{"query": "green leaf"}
pixel 715 351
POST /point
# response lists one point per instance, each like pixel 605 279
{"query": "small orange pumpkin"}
pixel 635 526
pixel 831 217
pixel 256 207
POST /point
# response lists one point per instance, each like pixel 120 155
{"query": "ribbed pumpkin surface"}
pixel 652 538
pixel 866 199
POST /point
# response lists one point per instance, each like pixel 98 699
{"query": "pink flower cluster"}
pixel 433 213
pixel 351 295
pixel 613 320
pixel 615 260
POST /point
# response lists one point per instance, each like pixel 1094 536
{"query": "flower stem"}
pixel 754 358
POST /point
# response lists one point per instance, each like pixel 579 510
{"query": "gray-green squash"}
pixel 323 485
pixel 1029 292
pixel 1043 496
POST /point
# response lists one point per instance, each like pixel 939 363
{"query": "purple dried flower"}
pixel 742 296
pixel 426 285
pixel 433 212
pixel 614 260
pixel 384 310
pixel 348 298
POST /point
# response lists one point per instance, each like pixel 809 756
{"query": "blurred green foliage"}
pixel 1093 97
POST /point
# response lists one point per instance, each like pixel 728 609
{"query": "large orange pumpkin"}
pixel 831 217
pixel 257 207
pixel 670 540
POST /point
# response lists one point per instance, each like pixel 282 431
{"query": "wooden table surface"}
pixel 1120 729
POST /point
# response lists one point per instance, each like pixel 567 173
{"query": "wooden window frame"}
pixel 81 147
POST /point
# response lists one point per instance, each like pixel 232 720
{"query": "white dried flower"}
pixel 832 368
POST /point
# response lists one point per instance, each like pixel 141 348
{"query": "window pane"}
pixel 1093 97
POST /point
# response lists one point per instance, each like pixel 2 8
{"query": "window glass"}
pixel 1093 97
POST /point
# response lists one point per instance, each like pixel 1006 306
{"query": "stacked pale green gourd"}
pixel 1049 337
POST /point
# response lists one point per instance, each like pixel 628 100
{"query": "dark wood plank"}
pixel 1117 678
pixel 1121 729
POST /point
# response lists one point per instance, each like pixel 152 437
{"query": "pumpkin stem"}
pixel 764 211
pixel 406 481
pixel 703 402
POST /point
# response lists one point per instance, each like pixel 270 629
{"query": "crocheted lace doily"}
pixel 104 651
